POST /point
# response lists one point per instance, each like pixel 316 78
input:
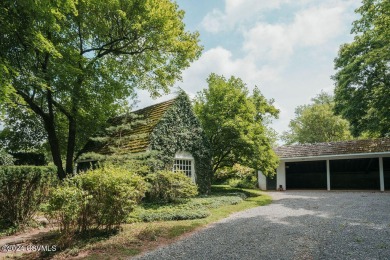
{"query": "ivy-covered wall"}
pixel 180 130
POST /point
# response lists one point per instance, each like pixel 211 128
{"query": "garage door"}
pixel 355 174
pixel 306 175
pixel 386 169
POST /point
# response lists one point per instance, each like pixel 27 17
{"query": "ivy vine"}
pixel 180 130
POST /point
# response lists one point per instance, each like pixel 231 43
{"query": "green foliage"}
pixel 97 199
pixel 112 146
pixel 363 69
pixel 30 158
pixel 244 183
pixel 180 130
pixel 191 209
pixel 235 124
pixel 22 131
pixel 73 63
pixel 317 123
pixel 22 190
pixel 236 172
pixel 6 158
pixel 170 186
pixel 172 214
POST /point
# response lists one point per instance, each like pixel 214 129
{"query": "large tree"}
pixel 317 122
pixel 73 62
pixel 235 124
pixel 363 72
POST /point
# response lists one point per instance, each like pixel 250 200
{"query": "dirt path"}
pixel 16 244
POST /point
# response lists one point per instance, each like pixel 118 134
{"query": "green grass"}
pixel 138 237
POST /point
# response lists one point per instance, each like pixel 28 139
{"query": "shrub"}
pixel 238 171
pixel 246 183
pixel 97 199
pixel 6 158
pixel 170 186
pixel 22 190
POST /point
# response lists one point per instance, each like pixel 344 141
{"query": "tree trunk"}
pixel 55 148
pixel 53 139
pixel 71 146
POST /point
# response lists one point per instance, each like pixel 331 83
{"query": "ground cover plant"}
pixel 194 208
pixel 138 237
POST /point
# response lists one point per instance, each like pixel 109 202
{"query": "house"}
pixel 348 165
pixel 172 129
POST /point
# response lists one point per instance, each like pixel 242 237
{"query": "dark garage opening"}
pixel 306 175
pixel 355 174
pixel 386 172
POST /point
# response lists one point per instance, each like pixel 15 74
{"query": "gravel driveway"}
pixel 297 225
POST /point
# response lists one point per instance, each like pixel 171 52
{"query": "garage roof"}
pixel 381 145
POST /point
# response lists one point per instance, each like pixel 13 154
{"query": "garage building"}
pixel 348 165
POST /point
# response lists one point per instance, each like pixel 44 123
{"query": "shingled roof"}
pixel 334 148
pixel 151 115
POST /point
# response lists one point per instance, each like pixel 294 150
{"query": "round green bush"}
pixel 170 186
pixel 96 199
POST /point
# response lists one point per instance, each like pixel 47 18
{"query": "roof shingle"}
pixel 334 148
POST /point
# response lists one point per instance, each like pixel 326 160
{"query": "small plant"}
pixel 97 199
pixel 170 186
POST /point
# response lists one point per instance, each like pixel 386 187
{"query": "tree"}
pixel 317 123
pixel 235 124
pixel 74 62
pixel 22 132
pixel 363 72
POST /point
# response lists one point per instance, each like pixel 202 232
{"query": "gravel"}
pixel 297 225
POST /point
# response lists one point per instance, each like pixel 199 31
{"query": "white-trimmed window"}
pixel 184 162
pixel 184 166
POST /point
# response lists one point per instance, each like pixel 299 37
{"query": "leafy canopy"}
pixel 73 63
pixel 363 77
pixel 317 123
pixel 235 124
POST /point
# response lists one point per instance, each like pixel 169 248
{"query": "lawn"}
pixel 152 225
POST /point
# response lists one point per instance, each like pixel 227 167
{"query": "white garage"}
pixel 349 165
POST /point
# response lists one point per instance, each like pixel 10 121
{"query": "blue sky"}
pixel 285 47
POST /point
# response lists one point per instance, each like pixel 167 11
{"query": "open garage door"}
pixel 355 174
pixel 306 175
pixel 386 172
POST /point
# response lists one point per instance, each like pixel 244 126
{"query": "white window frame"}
pixel 182 155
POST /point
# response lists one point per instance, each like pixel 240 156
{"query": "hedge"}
pixel 22 190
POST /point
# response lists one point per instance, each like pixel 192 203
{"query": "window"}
pixel 184 162
pixel 184 166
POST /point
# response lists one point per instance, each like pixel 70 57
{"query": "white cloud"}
pixel 221 61
pixel 237 11
pixel 310 27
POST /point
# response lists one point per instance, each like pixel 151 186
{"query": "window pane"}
pixel 183 165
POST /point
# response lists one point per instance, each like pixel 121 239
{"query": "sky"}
pixel 285 47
